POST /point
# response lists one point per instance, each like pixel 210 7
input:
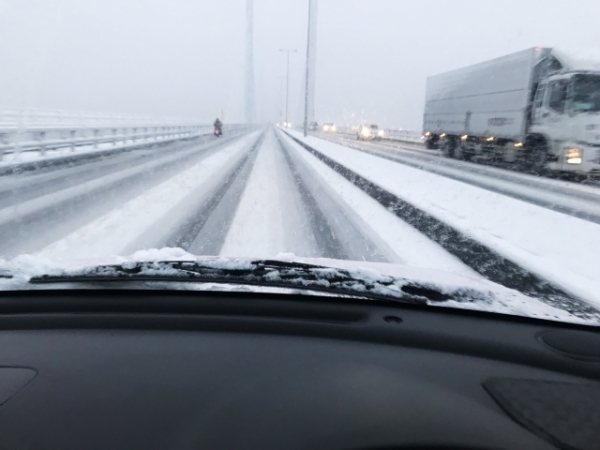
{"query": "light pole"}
pixel 309 94
pixel 280 98
pixel 287 94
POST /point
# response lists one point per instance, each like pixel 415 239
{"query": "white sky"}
pixel 186 57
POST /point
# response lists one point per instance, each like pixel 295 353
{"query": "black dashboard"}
pixel 184 370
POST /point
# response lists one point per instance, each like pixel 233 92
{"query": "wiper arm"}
pixel 269 273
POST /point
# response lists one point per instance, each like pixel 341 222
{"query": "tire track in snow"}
pixel 332 233
pixel 326 239
pixel 271 217
pixel 340 234
pixel 204 230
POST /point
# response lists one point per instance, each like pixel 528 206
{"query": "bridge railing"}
pixel 403 135
pixel 41 131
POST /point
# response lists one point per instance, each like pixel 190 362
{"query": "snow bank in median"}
pixel 560 248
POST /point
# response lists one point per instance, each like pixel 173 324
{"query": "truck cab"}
pixel 565 114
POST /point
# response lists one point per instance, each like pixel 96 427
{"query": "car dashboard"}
pixel 182 370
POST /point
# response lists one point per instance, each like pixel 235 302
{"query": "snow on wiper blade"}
pixel 364 283
pixel 5 273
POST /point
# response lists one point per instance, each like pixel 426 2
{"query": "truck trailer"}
pixel 539 107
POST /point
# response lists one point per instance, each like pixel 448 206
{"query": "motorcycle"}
pixel 218 132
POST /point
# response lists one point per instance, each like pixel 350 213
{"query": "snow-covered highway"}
pixel 258 193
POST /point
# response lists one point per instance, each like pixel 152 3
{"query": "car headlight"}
pixel 326 128
pixel 574 156
pixel 333 128
pixel 380 133
pixel 365 132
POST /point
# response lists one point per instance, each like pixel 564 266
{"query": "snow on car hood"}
pixel 16 273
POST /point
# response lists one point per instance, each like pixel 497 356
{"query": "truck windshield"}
pixel 586 93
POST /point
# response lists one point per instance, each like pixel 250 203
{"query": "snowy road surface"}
pixel 260 194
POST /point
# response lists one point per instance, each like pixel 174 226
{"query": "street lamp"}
pixel 287 95
pixel 310 62
pixel 280 99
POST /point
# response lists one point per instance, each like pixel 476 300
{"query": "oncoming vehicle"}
pixel 329 128
pixel 369 132
pixel 313 126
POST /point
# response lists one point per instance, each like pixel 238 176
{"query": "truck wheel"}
pixel 465 155
pixel 431 143
pixel 448 147
pixel 539 160
pixel 537 155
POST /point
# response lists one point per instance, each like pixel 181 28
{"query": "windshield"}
pixel 301 147
pixel 586 93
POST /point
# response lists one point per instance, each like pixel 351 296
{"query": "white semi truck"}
pixel 540 107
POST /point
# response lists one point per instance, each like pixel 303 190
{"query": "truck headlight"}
pixel 574 156
pixel 365 132
pixel 380 133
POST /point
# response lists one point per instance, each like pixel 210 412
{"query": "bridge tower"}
pixel 312 58
pixel 311 62
pixel 250 105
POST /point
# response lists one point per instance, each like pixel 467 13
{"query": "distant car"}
pixel 313 126
pixel 329 128
pixel 369 132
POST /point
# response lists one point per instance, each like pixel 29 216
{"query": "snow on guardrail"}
pixel 389 134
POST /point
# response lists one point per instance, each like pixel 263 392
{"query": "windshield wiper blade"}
pixel 265 273
pixel 4 273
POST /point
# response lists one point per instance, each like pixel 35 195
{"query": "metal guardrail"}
pixel 388 134
pixel 403 135
pixel 410 136
pixel 35 130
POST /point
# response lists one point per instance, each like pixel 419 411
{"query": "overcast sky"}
pixel 186 57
